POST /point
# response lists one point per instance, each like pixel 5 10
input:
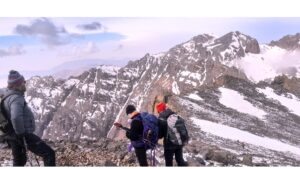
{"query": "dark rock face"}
pixel 290 42
pixel 241 43
pixel 283 84
pixel 247 160
pixel 223 157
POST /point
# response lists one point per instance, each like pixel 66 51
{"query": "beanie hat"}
pixel 161 107
pixel 15 78
pixel 130 109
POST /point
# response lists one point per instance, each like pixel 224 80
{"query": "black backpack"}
pixel 6 127
pixel 177 132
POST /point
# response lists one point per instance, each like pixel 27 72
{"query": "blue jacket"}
pixel 135 134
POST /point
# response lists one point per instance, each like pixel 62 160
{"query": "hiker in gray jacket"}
pixel 22 120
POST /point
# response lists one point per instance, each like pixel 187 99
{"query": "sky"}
pixel 39 44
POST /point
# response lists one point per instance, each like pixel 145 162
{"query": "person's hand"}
pixel 118 124
pixel 128 134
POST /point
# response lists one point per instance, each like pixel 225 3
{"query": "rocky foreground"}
pixel 106 152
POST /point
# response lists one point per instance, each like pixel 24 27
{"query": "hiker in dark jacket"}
pixel 22 119
pixel 169 148
pixel 135 134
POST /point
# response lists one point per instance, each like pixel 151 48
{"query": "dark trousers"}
pixel 35 145
pixel 141 156
pixel 169 154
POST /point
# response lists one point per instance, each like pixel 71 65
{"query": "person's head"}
pixel 161 107
pixel 130 109
pixel 16 81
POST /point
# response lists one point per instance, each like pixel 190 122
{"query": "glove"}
pixel 129 147
pixel 117 124
pixel 128 134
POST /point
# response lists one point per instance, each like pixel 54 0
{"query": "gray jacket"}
pixel 20 114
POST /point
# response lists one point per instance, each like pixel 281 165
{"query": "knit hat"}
pixel 161 107
pixel 130 109
pixel 15 78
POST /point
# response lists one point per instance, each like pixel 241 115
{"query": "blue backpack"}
pixel 150 132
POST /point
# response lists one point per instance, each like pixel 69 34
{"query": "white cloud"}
pixel 272 61
pixel 8 24
pixel 12 50
pixel 45 30
pixel 85 50
pixel 90 26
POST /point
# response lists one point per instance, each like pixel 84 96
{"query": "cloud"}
pixel 45 30
pixel 91 48
pixel 119 47
pixel 91 26
pixel 80 50
pixel 12 50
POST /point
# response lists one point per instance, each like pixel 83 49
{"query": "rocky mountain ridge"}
pixel 202 81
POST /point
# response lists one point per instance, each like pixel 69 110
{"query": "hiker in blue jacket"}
pixel 23 124
pixel 170 149
pixel 135 134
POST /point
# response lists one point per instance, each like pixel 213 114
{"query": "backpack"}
pixel 5 123
pixel 150 132
pixel 177 132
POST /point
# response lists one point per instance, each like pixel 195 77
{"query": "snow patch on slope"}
pixel 194 96
pixel 244 136
pixel 293 103
pixel 189 46
pixel 175 88
pixel 71 82
pixel 235 100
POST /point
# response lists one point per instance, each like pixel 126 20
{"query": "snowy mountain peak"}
pixel 241 42
pixel 203 38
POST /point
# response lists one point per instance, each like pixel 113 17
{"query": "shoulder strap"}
pixel 172 115
pixel 138 117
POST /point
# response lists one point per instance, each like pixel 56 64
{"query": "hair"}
pixel 130 109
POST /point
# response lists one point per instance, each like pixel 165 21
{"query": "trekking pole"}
pixel 154 162
pixel 37 161
pixel 153 154
pixel 26 148
pixel 152 158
